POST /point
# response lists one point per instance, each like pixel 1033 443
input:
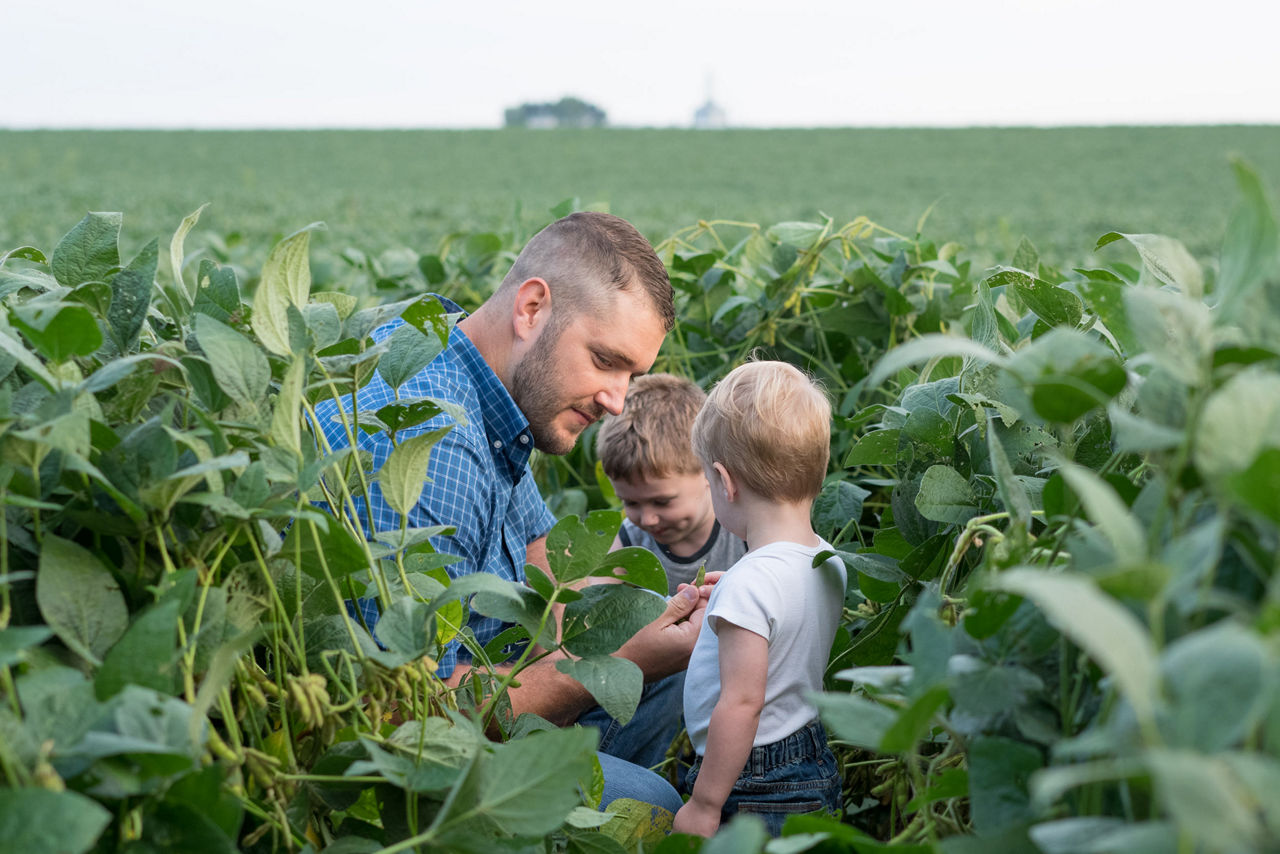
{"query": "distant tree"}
pixel 565 113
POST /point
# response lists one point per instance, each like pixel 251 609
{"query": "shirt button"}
pixel 524 440
pixel 497 443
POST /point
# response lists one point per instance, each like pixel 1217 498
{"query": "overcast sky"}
pixel 426 63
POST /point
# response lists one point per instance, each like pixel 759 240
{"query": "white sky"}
pixel 459 63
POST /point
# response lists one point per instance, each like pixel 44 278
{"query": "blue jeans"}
pixel 797 774
pixel 628 752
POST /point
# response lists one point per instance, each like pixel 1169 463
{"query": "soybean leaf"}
pixel 1173 328
pixel 145 655
pixel 1239 420
pixel 238 365
pixel 999 769
pixel 1012 493
pixel 606 617
pixel 38 821
pixel 408 352
pixel 324 550
pixel 1097 624
pixel 404 474
pixel 877 448
pixel 405 630
pixel 79 598
pixel 1104 507
pixel 217 294
pixel 89 252
pixel 1166 258
pixel 616 683
pixel 927 347
pixel 131 297
pixel 176 249
pixel 1221 682
pixel 524 787
pixel 838 504
pixel 946 496
pixel 1249 249
pixel 636 566
pixel 576 547
pixel 1054 305
pixel 285 284
pixel 58 330
pixel 855 719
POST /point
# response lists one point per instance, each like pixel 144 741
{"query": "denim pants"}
pixel 628 752
pixel 797 774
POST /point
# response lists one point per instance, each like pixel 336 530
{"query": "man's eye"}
pixel 603 363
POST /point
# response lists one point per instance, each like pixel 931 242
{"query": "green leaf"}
pixel 999 771
pixel 636 566
pixel 1249 250
pixel 405 630
pixel 321 547
pixel 946 496
pixel 855 719
pixel 239 366
pixel 89 252
pixel 877 448
pixel 616 683
pixel 408 352
pixel 286 414
pixel 838 504
pixel 1054 305
pixel 914 722
pixel 58 330
pixel 1068 373
pixel 1240 419
pixel 576 547
pixel 1099 833
pixel 527 787
pixel 606 617
pixel 1097 624
pixel 38 821
pixel 1104 507
pixel 285 284
pixel 1258 486
pixel 799 234
pixel 79 598
pixel 1210 804
pixel 1166 258
pixel 16 640
pixel 217 294
pixel 930 347
pixel 1221 681
pixel 131 297
pixel 145 655
pixel 1176 330
pixel 404 474
pixel 176 246
pixel 1012 493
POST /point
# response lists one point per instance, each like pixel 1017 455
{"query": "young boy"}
pixel 646 455
pixel 763 438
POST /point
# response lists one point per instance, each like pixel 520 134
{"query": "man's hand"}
pixel 697 818
pixel 663 647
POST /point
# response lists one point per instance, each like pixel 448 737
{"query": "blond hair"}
pixel 769 424
pixel 587 256
pixel 650 437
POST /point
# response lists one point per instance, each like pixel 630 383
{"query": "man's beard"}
pixel 537 387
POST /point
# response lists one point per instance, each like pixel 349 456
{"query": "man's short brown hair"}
pixel 650 437
pixel 578 253
pixel 769 424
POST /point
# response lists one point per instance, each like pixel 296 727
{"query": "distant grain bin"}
pixel 710 116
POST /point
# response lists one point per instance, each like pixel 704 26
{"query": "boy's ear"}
pixel 727 482
pixel 532 307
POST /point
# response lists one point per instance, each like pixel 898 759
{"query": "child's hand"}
pixel 697 819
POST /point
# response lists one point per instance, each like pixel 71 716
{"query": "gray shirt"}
pixel 721 551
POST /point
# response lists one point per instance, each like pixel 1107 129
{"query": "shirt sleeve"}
pixel 745 597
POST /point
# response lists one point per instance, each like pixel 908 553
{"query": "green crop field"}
pixel 1062 188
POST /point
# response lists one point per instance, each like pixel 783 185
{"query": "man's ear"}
pixel 727 482
pixel 532 308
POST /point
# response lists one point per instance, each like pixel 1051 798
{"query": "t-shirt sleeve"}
pixel 746 597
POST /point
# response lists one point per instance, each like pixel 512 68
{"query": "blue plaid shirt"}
pixel 479 479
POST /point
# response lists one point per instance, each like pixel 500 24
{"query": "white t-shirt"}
pixel 776 592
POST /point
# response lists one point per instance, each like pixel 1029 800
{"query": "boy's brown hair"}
pixel 650 437
pixel 769 424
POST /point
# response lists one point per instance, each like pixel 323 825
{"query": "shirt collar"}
pixel 505 426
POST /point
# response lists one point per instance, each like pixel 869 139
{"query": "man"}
pixel 584 308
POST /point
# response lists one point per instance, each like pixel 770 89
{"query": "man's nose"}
pixel 612 396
